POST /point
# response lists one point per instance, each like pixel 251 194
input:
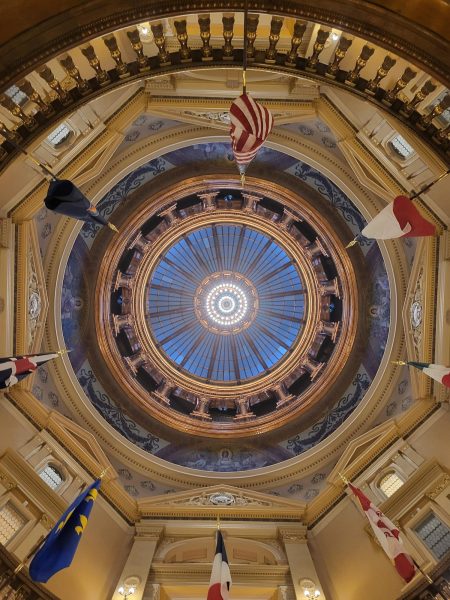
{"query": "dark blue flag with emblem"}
pixel 60 545
pixel 15 368
pixel 64 198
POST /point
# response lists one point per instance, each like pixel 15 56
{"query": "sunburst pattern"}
pixel 221 252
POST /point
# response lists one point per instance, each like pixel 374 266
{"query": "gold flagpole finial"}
pixel 344 478
pixel 218 522
pixel 113 227
pixel 63 351
pixel 352 243
pixel 401 363
pixel 103 473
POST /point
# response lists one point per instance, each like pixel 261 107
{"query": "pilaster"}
pixel 136 569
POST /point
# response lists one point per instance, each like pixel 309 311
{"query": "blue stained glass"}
pixel 254 342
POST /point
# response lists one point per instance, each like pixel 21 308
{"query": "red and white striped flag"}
pixel 388 535
pixel 399 219
pixel 437 372
pixel 220 582
pixel 15 368
pixel 251 123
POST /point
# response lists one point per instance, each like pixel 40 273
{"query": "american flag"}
pixel 251 123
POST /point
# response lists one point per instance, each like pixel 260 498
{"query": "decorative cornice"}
pixel 269 476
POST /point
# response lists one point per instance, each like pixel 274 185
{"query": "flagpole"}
pixel 6 135
pixel 218 522
pixel 429 185
pixel 244 58
pixel 244 71
pixel 23 563
pixel 347 482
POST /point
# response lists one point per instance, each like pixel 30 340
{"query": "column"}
pixel 208 200
pixel 163 391
pixel 122 280
pixel 312 366
pixel 249 202
pixel 283 397
pixel 299 558
pixel 121 321
pixel 201 410
pixel 137 567
pixel 329 287
pixel 170 214
pixel 287 219
pixel 140 242
pixel 316 249
pixel 135 360
pixel 244 410
pixel 328 328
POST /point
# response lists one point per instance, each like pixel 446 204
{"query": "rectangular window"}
pixel 11 522
pixel 435 535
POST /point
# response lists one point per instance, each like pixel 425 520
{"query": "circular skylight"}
pixel 225 303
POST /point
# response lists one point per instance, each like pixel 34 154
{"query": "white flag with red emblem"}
pixel 388 535
pixel 437 372
pixel 220 582
pixel 399 219
pixel 15 368
pixel 251 123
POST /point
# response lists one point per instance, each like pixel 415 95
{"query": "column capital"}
pixel 147 531
pixel 293 535
pixel 170 214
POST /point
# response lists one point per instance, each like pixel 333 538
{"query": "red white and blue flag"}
pixel 400 218
pixel 388 535
pixel 251 123
pixel 15 368
pixel 437 372
pixel 220 582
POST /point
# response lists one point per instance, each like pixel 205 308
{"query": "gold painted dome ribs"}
pixel 226 308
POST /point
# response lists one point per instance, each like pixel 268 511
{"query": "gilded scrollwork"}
pixel 416 312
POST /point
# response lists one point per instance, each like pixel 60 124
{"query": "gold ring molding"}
pixel 149 465
pixel 151 405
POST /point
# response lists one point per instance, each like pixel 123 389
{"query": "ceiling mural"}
pixel 232 454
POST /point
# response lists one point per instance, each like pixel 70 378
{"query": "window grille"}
pixel 401 147
pixel 52 477
pixel 11 522
pixel 59 135
pixel 435 535
pixel 390 483
pixel 16 95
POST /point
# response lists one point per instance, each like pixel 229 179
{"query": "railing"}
pixel 58 100
pixel 438 590
pixel 19 586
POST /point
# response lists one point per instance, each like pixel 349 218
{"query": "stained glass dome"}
pixel 225 303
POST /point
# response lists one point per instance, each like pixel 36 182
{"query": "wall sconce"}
pixel 125 592
pixel 309 588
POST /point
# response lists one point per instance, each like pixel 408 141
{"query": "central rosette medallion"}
pixel 226 302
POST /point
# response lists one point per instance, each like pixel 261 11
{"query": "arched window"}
pixel 390 483
pixel 52 476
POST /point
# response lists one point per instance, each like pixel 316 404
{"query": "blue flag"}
pixel 60 545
